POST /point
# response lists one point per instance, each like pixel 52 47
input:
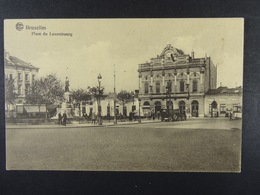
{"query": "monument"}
pixel 66 105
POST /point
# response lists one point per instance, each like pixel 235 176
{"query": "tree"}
pixel 94 91
pixel 81 95
pixel 10 94
pixel 46 90
pixel 125 96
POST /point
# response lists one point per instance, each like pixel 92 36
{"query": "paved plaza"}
pixel 201 144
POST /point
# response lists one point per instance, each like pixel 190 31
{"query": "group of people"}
pixel 62 119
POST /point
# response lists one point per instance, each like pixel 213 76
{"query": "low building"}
pixel 222 101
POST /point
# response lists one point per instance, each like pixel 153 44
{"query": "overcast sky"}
pixel 98 44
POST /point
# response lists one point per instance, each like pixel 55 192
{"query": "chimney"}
pixel 192 54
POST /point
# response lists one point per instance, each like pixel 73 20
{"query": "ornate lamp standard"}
pixel 139 98
pixel 99 97
pixel 168 94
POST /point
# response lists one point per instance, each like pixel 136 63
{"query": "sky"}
pixel 98 45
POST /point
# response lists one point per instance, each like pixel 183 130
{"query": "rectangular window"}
pixel 108 110
pixel 195 86
pixel 19 76
pixel 236 108
pixel 33 77
pixel 181 86
pixel 157 87
pixel 146 88
pixel 26 77
pixel 10 76
pixel 19 89
pixel 222 108
pixel 26 89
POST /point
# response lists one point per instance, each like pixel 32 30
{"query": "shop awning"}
pixel 35 109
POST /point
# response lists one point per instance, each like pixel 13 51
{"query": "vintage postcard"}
pixel 157 95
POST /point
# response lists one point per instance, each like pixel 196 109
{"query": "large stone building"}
pixel 23 74
pixel 176 80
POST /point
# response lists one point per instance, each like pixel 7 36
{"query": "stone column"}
pixel 201 79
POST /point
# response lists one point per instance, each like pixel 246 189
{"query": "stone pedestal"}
pixel 67 96
pixel 66 106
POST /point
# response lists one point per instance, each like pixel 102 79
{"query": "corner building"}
pixel 23 73
pixel 175 80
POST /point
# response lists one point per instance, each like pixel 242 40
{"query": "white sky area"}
pixel 99 44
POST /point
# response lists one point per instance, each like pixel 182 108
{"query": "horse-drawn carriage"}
pixel 173 115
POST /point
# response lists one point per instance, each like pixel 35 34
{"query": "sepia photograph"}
pixel 148 95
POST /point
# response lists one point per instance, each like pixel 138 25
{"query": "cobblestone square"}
pixel 196 145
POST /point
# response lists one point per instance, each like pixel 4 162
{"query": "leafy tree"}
pixel 125 96
pixel 95 92
pixel 9 90
pixel 81 95
pixel 46 90
pixel 10 94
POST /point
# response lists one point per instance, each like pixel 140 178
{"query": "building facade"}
pixel 175 80
pixel 22 73
pixel 222 101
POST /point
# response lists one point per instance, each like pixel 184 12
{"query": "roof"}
pixel 224 90
pixel 14 61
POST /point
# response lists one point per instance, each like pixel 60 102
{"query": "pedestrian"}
pixel 185 116
pixel 158 115
pixel 93 118
pixel 60 118
pixel 64 118
pixel 130 117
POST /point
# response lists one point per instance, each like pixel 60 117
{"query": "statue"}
pixel 67 84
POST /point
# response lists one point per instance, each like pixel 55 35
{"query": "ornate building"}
pixel 177 81
pixel 23 74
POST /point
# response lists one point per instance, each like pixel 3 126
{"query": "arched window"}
pixel 194 86
pixel 181 86
pixel 157 87
pixel 146 88
pixel 182 106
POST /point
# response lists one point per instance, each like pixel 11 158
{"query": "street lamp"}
pixel 99 97
pixel 168 94
pixel 139 119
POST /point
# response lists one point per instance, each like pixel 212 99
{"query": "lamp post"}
pixel 99 97
pixel 139 119
pixel 115 112
pixel 168 94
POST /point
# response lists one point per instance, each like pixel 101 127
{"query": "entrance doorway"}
pixel 157 106
pixel 181 106
pixel 195 108
pixel 214 109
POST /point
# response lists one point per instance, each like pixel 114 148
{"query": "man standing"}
pixel 64 118
pixel 60 118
